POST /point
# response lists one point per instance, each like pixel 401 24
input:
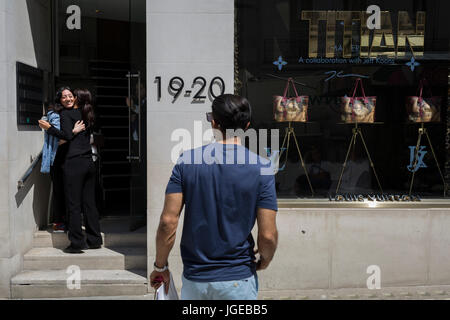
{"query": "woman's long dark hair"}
pixel 84 102
pixel 58 107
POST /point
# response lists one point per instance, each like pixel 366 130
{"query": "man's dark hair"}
pixel 231 112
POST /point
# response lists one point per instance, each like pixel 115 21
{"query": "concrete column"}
pixel 185 39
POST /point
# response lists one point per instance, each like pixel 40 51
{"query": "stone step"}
pixel 135 258
pixel 48 238
pixel 56 259
pixel 53 284
pixel 126 239
pixel 104 258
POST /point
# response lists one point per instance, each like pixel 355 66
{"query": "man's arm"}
pixel 267 236
pixel 165 236
pixel 168 223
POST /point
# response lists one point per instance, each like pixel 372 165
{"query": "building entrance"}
pixel 101 45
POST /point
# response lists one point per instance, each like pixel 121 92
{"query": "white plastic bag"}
pixel 161 293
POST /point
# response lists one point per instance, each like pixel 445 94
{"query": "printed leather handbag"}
pixel 290 108
pixel 358 109
pixel 421 109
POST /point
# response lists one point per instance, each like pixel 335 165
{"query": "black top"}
pixel 79 144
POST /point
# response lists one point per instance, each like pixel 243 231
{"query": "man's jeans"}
pixel 246 289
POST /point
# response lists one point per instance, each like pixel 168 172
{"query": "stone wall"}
pixel 332 248
pixel 25 37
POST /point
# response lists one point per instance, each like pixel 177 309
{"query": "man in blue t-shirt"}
pixel 225 189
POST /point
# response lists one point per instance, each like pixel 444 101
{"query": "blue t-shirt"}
pixel 222 185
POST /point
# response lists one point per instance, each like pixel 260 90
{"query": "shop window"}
pixel 275 40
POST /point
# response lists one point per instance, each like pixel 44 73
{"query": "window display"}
pixel 352 91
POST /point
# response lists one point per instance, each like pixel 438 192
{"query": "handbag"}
pixel 290 108
pixel 421 109
pixel 358 109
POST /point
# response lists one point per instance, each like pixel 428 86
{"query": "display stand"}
pixel 290 131
pixel 423 131
pixel 357 132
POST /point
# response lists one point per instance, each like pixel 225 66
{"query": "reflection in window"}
pixel 271 29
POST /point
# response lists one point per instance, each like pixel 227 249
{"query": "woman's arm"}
pixel 56 133
pixel 69 131
pixel 61 134
pixel 52 130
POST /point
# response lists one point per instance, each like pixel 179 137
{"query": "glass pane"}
pixel 97 57
pixel 275 41
pixel 77 40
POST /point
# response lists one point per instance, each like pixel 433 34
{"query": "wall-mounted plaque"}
pixel 30 94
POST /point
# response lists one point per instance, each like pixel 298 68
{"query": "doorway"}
pixel 107 55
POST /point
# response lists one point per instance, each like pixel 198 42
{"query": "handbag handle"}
pixel 422 84
pixel 290 80
pixel 359 81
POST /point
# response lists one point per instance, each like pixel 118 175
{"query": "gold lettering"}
pixel 416 38
pixel 386 30
pixel 348 17
pixel 364 46
pixel 406 32
pixel 331 34
pixel 313 17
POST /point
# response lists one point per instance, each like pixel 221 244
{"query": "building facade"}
pixel 170 58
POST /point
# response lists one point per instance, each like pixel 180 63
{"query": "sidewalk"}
pixel 389 293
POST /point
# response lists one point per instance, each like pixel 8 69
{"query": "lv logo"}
pixel 274 157
pixel 420 154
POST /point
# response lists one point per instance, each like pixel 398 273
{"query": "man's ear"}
pixel 214 124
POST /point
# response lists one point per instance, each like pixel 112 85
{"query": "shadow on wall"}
pixel 39 16
pixel 22 127
pixel 41 194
